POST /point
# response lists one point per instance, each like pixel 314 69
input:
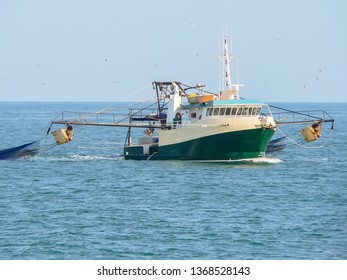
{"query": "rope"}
pixel 151 156
pixel 302 146
pixel 109 108
pixel 137 91
pixel 113 109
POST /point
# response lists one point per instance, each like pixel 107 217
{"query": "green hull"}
pixel 225 146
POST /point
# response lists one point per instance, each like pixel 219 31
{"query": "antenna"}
pixel 237 85
pixel 237 70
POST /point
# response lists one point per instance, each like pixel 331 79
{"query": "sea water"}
pixel 82 200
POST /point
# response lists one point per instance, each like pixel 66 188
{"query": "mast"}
pixel 228 90
pixel 226 65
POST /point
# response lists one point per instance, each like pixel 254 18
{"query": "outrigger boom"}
pixel 282 117
pixel 288 117
pixel 67 122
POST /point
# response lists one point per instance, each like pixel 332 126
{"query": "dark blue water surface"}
pixel 83 201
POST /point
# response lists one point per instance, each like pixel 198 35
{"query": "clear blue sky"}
pixel 105 50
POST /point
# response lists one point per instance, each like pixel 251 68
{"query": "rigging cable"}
pixel 109 108
pixel 302 146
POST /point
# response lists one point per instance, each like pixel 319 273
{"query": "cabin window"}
pixel 193 115
pixel 215 111
pixel 254 111
pixel 221 111
pixel 233 112
pixel 207 111
pixel 245 111
pixel 258 110
pixel 239 111
pixel 250 111
pixel 227 111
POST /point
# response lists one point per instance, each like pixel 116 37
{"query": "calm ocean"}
pixel 83 201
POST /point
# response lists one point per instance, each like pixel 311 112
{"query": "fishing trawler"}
pixel 190 123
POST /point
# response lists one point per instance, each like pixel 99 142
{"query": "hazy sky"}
pixel 106 50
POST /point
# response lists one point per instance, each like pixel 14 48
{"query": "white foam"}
pixel 263 160
pixel 94 157
pixel 78 158
pixel 259 160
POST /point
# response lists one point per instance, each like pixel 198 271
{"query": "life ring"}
pixel 178 117
pixel 177 120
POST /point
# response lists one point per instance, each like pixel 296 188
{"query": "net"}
pixel 29 149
